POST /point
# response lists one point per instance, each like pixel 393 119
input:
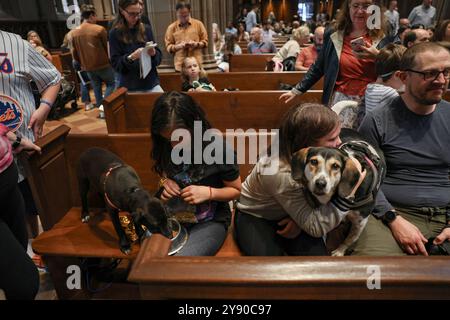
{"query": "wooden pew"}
pixel 66 241
pixel 289 278
pixel 130 113
pixel 244 81
pixel 249 62
pixel 154 275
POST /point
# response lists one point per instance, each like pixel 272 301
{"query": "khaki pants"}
pixel 377 239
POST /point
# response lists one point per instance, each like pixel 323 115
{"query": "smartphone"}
pixel 357 43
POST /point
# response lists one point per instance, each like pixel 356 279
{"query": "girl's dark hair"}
pixel 303 125
pixel 441 28
pixel 172 110
pixel 120 23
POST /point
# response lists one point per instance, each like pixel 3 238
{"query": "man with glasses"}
pixel 186 37
pixel 413 131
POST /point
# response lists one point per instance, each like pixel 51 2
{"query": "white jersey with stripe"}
pixel 19 64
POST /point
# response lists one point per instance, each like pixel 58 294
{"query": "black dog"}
pixel 121 189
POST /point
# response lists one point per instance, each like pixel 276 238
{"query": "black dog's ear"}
pixel 349 178
pixel 298 163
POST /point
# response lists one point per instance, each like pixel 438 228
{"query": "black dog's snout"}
pixel 321 183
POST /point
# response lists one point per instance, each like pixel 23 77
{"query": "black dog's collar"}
pixel 108 200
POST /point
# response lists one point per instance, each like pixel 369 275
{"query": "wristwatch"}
pixel 16 143
pixel 130 59
pixel 389 216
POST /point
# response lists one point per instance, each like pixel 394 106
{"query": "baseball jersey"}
pixel 19 64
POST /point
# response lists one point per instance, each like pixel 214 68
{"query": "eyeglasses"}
pixel 362 6
pixel 432 75
pixel 133 14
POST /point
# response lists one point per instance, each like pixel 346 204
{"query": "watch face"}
pixel 390 216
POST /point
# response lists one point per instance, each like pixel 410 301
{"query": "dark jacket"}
pixel 327 64
pixel 130 72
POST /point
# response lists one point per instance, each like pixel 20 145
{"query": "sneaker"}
pixel 101 115
pixel 101 108
pixel 89 106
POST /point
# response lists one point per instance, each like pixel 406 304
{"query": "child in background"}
pixel 194 77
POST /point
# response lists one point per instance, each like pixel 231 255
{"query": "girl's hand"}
pixel 291 229
pixel 171 189
pixel 196 194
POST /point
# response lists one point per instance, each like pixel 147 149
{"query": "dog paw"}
pixel 339 252
pixel 85 219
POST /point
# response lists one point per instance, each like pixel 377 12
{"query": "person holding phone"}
pixel 128 39
pixel 347 59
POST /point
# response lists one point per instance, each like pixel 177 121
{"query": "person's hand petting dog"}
pixel 196 194
pixel 409 237
pixel 171 189
pixel 291 229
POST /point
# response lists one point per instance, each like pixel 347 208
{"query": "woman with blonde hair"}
pixel 347 59
pixel 300 37
pixel 35 40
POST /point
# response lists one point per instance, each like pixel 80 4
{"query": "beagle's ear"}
pixel 298 163
pixel 349 178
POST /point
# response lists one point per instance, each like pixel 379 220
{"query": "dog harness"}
pixel 108 200
pixel 362 151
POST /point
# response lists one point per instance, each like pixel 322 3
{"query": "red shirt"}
pixel 354 74
pixel 307 56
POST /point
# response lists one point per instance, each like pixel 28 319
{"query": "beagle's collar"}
pixel 373 160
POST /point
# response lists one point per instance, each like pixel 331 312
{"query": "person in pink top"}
pixel 19 278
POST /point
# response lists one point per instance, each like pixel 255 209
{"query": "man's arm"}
pixel 412 16
pixel 203 35
pixel 169 40
pixel 47 79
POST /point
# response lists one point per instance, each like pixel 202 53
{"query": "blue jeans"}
pixel 97 77
pixel 85 98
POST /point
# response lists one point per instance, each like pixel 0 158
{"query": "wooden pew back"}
pixel 244 81
pixel 130 113
pixel 249 62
